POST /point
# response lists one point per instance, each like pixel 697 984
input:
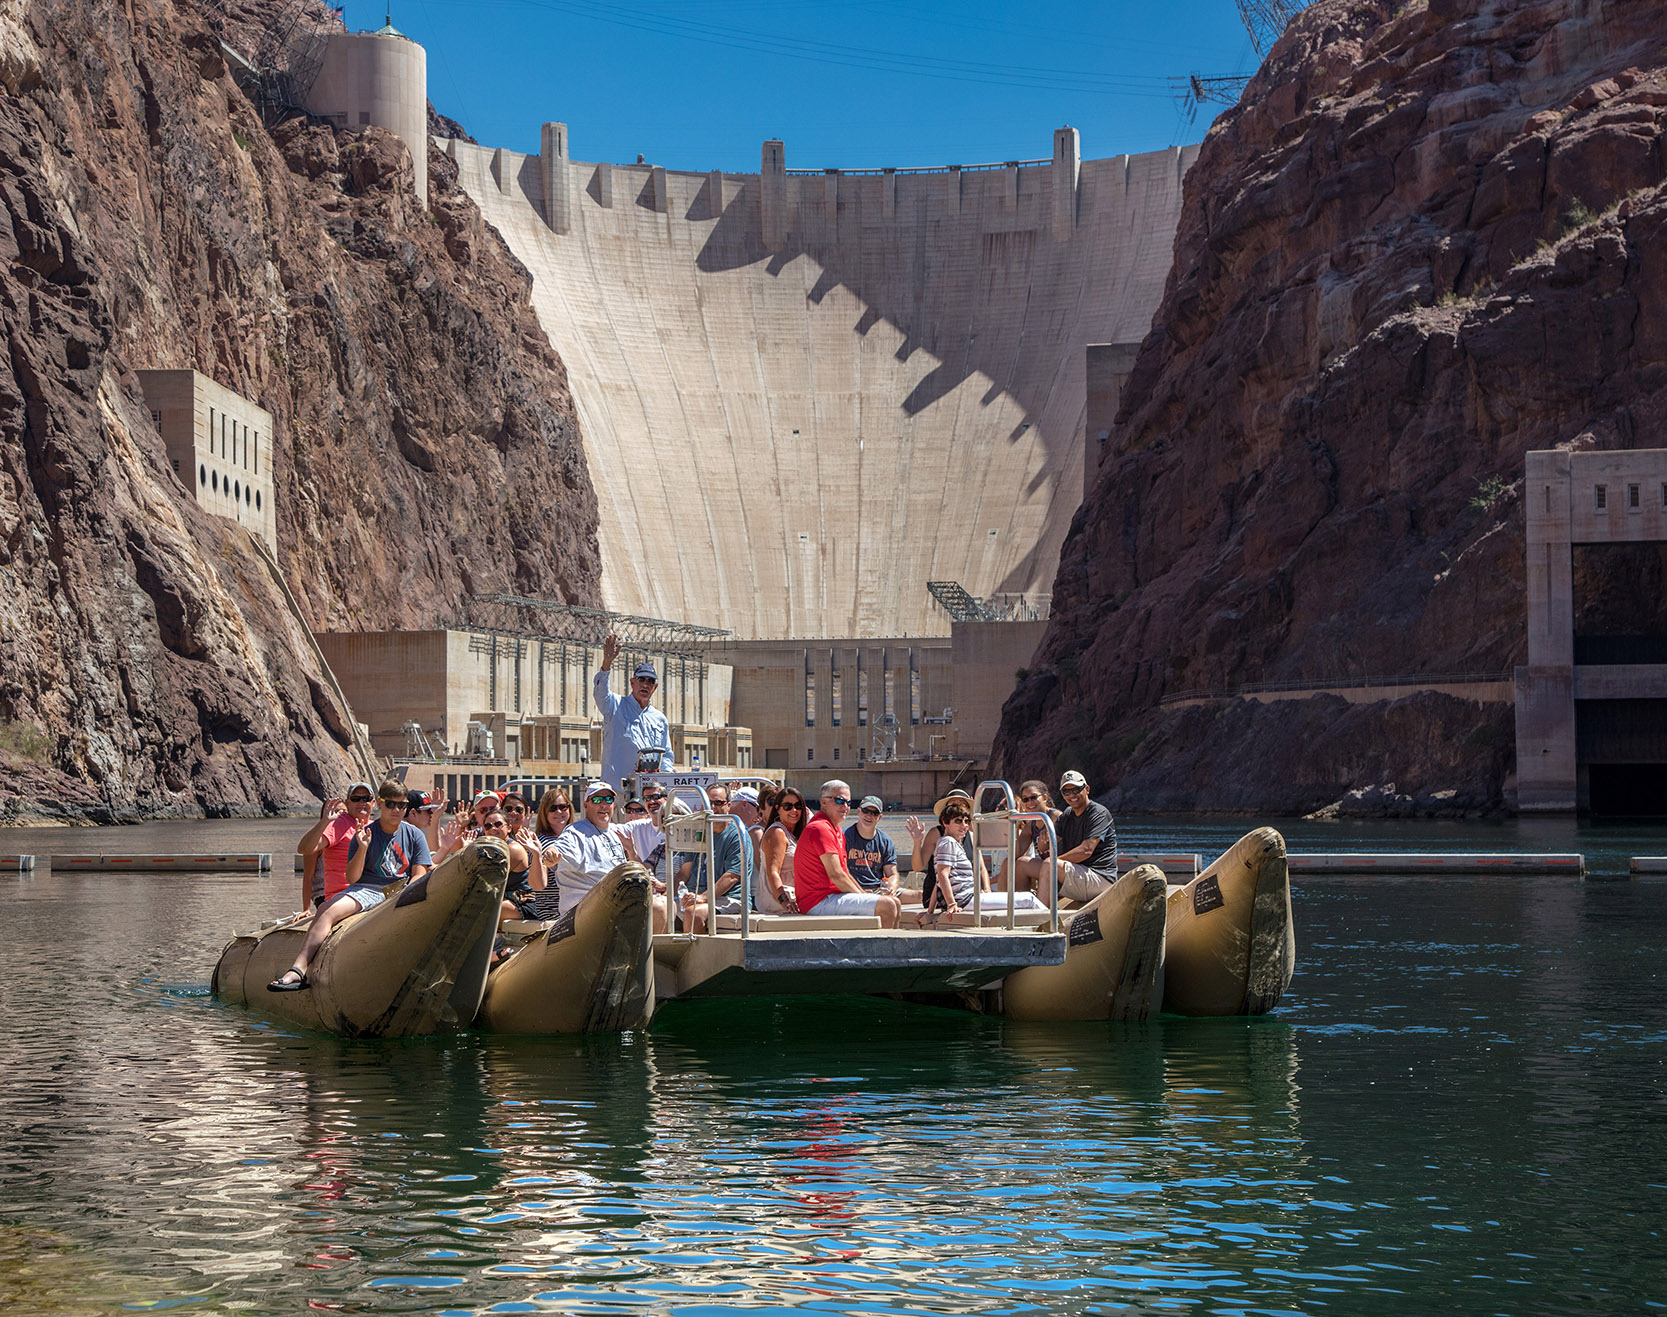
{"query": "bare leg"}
pixel 1030 874
pixel 890 910
pixel 660 923
pixel 327 917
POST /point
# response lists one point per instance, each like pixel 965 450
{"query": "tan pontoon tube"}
pixel 1114 950
pixel 416 964
pixel 1231 944
pixel 592 971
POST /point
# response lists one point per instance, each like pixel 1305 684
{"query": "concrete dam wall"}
pixel 804 395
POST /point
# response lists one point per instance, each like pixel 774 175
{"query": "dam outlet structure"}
pixel 807 393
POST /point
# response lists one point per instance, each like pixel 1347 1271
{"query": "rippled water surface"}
pixel 1460 1107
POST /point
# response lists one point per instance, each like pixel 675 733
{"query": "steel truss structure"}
pixel 506 613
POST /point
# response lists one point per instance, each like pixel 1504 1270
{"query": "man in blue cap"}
pixel 635 736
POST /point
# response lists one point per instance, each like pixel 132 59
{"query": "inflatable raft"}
pixel 1230 944
pixel 591 971
pixel 416 964
pixel 1114 950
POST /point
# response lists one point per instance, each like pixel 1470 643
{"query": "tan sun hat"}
pixel 956 794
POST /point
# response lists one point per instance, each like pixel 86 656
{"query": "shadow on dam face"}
pixel 792 442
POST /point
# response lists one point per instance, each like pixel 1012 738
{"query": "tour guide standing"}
pixel 632 730
pixel 821 880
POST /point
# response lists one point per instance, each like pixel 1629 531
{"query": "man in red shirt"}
pixel 821 878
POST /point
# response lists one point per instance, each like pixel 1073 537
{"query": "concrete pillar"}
pixel 954 199
pixel 1546 493
pixel 1109 365
pixel 888 195
pixel 605 186
pixel 657 188
pixel 1010 186
pixel 1067 168
pixel 503 172
pixel 772 194
pixel 715 193
pixel 558 183
pixel 1547 753
pixel 830 197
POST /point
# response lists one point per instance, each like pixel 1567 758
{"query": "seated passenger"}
pixel 954 878
pixel 821 877
pixel 926 840
pixel 590 848
pixel 732 853
pixel 870 854
pixel 1030 840
pixel 555 812
pixel 466 827
pixel 784 823
pixel 373 854
pixel 1087 847
pixel 526 875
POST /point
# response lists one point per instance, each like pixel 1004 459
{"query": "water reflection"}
pixel 1459 1107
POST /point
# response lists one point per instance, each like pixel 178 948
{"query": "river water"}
pixel 1460 1106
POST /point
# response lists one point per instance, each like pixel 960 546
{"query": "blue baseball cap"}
pixel 645 669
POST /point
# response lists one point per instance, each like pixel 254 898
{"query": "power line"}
pixel 910 65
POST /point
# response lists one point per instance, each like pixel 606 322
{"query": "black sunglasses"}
pixel 359 800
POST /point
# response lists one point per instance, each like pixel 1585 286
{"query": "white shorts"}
pixel 1077 882
pixel 847 903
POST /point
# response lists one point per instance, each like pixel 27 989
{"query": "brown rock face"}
pixel 1432 237
pixel 426 445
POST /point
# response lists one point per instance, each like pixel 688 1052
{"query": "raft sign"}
pixel 690 788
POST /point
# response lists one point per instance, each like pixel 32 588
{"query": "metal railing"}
pixel 920 169
pixel 1013 816
pixel 690 834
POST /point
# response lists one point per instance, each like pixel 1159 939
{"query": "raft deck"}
pixel 800 962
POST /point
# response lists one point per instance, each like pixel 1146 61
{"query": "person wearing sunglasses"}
pixel 1030 839
pixel 526 876
pixel 1087 847
pixel 328 845
pixel 926 839
pixel 784 823
pixel 379 852
pixel 821 877
pixel 636 738
pixel 422 811
pixel 870 854
pixel 589 848
pixel 550 820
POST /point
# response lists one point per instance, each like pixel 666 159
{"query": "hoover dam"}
pixel 805 393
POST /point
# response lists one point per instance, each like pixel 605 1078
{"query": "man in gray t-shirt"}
pixel 1087 847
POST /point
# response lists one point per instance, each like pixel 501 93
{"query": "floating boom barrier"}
pixel 101 863
pixel 17 863
pixel 1570 866
pixel 1646 864
pixel 1174 864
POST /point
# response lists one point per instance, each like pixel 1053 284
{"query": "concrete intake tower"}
pixel 807 393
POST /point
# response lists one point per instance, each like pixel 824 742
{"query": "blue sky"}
pixel 852 83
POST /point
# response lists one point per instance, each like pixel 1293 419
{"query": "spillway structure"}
pixel 807 393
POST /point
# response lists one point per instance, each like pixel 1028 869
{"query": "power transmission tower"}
pixel 1195 90
pixel 1265 20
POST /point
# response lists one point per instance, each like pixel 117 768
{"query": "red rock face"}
pixel 426 445
pixel 1432 237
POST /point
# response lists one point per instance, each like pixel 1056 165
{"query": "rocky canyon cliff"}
pixel 426 447
pixel 1430 238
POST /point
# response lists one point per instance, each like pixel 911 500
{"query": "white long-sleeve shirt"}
pixel 628 729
